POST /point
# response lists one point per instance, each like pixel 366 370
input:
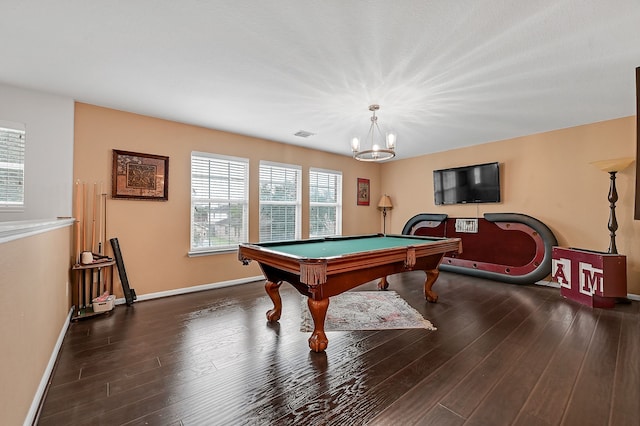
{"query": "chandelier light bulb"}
pixel 355 144
pixel 391 140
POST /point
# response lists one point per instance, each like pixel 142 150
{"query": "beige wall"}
pixel 34 305
pixel 547 176
pixel 154 236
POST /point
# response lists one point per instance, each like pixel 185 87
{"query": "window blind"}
pixel 12 154
pixel 219 202
pixel 325 206
pixel 280 206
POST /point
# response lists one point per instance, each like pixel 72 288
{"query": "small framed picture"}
pixel 363 192
pixel 139 176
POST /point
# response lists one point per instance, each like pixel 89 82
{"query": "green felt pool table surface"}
pixel 340 246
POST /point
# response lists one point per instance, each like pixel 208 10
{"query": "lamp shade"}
pixel 385 202
pixel 614 165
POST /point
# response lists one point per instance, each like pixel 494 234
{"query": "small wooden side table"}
pixel 91 280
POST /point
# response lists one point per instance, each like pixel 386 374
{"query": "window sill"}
pixel 211 252
pixel 14 230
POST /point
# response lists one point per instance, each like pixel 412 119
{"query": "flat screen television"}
pixel 470 184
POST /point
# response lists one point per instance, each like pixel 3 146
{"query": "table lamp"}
pixel 612 167
pixel 384 204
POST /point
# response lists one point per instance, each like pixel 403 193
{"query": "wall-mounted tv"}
pixel 470 184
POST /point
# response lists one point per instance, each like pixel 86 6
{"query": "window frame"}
pixel 244 201
pixel 7 206
pixel 297 203
pixel 337 204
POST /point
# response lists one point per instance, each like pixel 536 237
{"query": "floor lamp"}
pixel 384 204
pixel 612 167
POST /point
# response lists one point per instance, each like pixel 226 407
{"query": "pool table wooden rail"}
pixel 314 271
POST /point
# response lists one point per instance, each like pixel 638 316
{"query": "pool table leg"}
pixel 318 341
pixel 432 276
pixel 274 293
pixel 383 284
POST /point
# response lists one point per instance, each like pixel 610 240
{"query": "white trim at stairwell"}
pixel 10 231
pixel 39 395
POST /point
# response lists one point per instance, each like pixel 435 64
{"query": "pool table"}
pixel 321 268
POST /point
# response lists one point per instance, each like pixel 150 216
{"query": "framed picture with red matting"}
pixel 363 192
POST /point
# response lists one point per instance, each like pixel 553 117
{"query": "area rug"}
pixel 366 310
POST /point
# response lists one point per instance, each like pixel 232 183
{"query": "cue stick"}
pixel 91 201
pixel 93 223
pixel 90 280
pixel 97 233
pixel 81 215
pixel 103 225
pixel 90 300
pixel 100 210
pixel 83 242
pixel 98 200
pixel 81 298
pixel 78 250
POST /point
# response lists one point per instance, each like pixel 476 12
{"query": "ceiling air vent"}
pixel 303 134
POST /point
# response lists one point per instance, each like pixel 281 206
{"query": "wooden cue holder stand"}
pixel 91 280
pixel 92 272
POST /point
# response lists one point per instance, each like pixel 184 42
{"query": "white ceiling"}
pixel 447 73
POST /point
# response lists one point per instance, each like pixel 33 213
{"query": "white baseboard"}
pixel 553 284
pixel 39 395
pixel 185 290
pixel 230 283
pixel 548 284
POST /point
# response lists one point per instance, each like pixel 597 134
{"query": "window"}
pixel 12 147
pixel 325 206
pixel 280 208
pixel 219 202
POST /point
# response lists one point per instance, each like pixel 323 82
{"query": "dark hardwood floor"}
pixel 503 354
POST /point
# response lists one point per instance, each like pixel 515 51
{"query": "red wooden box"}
pixel 589 277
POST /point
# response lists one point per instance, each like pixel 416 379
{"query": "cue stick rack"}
pixel 93 269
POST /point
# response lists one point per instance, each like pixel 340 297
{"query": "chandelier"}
pixel 375 151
